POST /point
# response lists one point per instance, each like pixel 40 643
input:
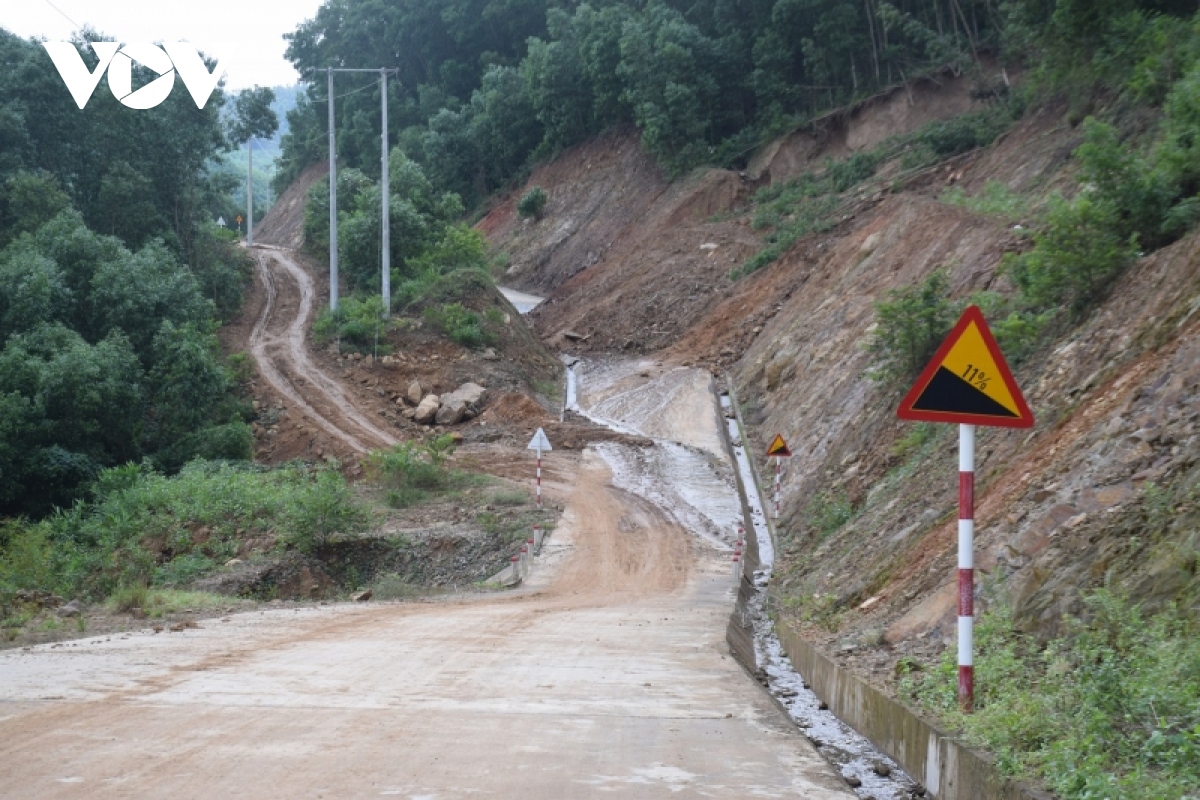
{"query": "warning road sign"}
pixel 539 442
pixel 968 382
pixel 778 447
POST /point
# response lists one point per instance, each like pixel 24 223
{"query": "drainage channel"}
pixel 695 486
pixel 869 772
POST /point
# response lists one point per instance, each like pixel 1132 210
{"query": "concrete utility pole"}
pixel 333 265
pixel 386 190
pixel 250 192
pixel 386 267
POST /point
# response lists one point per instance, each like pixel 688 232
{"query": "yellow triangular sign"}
pixel 779 448
pixel 968 382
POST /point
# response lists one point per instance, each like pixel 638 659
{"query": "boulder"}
pixel 471 393
pixel 452 410
pixel 427 409
pixel 414 393
pixel 463 403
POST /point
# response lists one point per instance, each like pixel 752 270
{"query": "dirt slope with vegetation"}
pixel 1100 495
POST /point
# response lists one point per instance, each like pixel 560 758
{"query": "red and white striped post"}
pixel 539 442
pixel 778 470
pixel 966 567
pixel 539 480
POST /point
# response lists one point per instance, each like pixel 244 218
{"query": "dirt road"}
pixel 277 345
pixel 607 674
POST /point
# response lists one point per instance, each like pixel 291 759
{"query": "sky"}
pixel 245 36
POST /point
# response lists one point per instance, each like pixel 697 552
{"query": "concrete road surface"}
pixel 607 675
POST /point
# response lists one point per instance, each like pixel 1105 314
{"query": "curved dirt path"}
pixel 279 348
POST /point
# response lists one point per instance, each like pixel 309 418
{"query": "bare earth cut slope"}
pixel 1060 509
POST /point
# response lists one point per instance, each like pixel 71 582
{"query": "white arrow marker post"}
pixel 539 442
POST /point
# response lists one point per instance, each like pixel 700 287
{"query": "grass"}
pixel 1109 710
pixel 996 200
pixel 160 602
pixel 509 498
pixel 146 529
pixel 815 202
pixel 411 474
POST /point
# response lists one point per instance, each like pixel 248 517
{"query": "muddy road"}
pixel 278 347
pixel 605 674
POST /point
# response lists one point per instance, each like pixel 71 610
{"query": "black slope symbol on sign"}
pixel 948 392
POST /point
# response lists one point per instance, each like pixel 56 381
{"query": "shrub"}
pixel 358 323
pixel 533 203
pixel 909 326
pixel 460 324
pixel 405 468
pixel 323 507
pixel 1077 255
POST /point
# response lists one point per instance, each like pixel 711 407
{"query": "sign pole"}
pixel 778 469
pixel 968 383
pixel 966 567
pixel 539 442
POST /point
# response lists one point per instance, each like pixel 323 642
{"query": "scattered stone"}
pixel 881 769
pixel 137 613
pixel 233 562
pixel 822 706
pixel 71 609
pixel 853 782
pixel 361 597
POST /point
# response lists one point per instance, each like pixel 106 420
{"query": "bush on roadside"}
pixel 1109 710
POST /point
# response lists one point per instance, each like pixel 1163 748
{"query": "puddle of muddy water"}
pixel 694 484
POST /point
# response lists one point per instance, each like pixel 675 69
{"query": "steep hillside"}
pixel 1099 493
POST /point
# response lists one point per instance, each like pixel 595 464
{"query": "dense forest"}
pixel 487 86
pixel 113 280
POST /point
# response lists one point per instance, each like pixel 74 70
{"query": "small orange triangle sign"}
pixel 968 382
pixel 779 448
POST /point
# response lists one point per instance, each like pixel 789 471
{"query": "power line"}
pixel 60 11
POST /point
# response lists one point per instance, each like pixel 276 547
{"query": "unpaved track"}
pixel 606 675
pixel 279 350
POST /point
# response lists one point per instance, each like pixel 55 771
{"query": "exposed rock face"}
pixel 427 409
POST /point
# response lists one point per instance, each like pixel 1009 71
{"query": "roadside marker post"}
pixel 778 450
pixel 537 538
pixel 539 442
pixel 968 383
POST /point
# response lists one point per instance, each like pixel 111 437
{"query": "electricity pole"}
pixel 386 266
pixel 333 265
pixel 386 190
pixel 250 192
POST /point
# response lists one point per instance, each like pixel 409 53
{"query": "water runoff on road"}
pixel 687 474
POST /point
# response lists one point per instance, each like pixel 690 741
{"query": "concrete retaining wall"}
pixel 945 766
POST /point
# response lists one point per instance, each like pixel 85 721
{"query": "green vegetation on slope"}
pixel 485 87
pixel 1109 710
pixel 143 528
